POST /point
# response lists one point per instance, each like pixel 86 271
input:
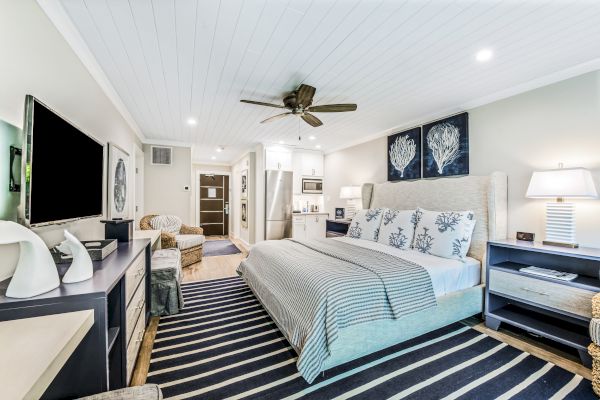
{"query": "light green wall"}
pixel 10 135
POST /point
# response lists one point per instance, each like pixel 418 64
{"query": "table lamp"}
pixel 350 194
pixel 560 216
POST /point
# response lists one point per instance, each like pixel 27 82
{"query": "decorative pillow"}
pixel 397 228
pixel 444 233
pixel 365 224
pixel 166 223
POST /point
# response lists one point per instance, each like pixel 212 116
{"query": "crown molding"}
pixel 568 73
pixel 62 22
pixel 171 143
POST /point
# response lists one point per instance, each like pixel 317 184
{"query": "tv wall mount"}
pixel 13 186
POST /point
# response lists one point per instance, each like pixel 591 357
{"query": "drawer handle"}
pixel 535 291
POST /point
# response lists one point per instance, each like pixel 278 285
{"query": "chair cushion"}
pixel 166 223
pixel 188 241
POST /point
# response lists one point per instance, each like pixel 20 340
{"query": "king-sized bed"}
pixel 339 299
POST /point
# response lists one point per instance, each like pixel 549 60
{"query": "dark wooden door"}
pixel 214 204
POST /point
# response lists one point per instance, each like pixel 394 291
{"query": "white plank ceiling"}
pixel 400 61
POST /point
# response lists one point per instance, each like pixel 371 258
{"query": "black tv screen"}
pixel 64 168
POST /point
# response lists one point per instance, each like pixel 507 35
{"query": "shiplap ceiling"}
pixel 400 61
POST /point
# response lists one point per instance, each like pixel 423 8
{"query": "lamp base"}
pixel 561 244
pixel 560 224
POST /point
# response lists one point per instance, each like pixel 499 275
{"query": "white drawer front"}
pixel 135 307
pixel 134 275
pixel 134 346
pixel 561 297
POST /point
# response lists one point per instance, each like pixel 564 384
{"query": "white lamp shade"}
pixel 567 182
pixel 350 192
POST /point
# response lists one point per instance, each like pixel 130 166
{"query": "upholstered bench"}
pixel 145 392
pixel 165 282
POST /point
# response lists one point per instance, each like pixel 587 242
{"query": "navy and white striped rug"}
pixel 224 345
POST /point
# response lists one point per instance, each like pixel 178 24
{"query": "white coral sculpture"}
pixel 402 152
pixel 444 140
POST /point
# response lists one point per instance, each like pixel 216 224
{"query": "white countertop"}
pixel 311 213
pixel 34 350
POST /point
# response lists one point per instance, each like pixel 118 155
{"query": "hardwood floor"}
pixel 225 266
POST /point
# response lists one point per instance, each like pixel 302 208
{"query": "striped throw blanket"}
pixel 314 288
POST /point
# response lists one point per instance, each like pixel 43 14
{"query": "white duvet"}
pixel 447 275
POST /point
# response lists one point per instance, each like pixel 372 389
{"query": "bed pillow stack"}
pixel 365 224
pixel 444 233
pixel 397 228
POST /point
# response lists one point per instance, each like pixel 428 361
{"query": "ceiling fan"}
pixel 299 102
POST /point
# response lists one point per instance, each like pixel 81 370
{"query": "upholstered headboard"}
pixel 486 196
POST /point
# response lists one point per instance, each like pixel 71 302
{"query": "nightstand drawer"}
pixel 558 296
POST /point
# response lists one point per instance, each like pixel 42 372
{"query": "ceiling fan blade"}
pixel 305 95
pixel 260 103
pixel 311 120
pixel 333 108
pixel 275 117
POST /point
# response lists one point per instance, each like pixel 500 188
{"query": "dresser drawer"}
pixel 136 306
pixel 558 296
pixel 134 275
pixel 134 345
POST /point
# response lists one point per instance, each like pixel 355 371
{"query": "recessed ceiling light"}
pixel 213 158
pixel 220 149
pixel 312 137
pixel 192 121
pixel 281 142
pixel 484 55
pixel 318 146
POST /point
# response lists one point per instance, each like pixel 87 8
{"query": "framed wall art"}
pixel 118 170
pixel 446 147
pixel 404 155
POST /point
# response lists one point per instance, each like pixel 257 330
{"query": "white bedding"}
pixel 446 275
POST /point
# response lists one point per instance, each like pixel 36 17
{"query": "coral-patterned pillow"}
pixel 365 224
pixel 444 233
pixel 397 228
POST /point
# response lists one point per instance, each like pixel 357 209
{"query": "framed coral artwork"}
pixel 404 155
pixel 446 147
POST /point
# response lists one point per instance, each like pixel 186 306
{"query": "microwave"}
pixel 312 186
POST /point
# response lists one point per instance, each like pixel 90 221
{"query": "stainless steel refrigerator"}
pixel 279 202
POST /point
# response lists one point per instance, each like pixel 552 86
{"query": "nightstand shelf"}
pixel 337 227
pixel 551 308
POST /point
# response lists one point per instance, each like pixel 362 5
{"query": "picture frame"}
pixel 404 155
pixel 244 184
pixel 446 147
pixel 117 185
pixel 244 214
pixel 340 213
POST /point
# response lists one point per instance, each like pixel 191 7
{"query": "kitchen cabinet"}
pixel 306 163
pixel 309 226
pixel 278 159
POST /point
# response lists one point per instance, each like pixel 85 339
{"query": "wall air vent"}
pixel 162 155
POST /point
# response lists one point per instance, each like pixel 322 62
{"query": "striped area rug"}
pixel 223 345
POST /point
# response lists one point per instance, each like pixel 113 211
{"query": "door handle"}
pixel 226 209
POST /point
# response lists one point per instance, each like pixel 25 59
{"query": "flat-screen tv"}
pixel 63 169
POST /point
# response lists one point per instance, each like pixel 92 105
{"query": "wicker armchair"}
pixel 594 348
pixel 189 254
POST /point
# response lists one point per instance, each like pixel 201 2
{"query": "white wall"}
pixel 532 131
pixel 164 185
pixel 37 60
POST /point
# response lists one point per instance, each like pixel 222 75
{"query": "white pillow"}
pixel 397 228
pixel 365 224
pixel 444 233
